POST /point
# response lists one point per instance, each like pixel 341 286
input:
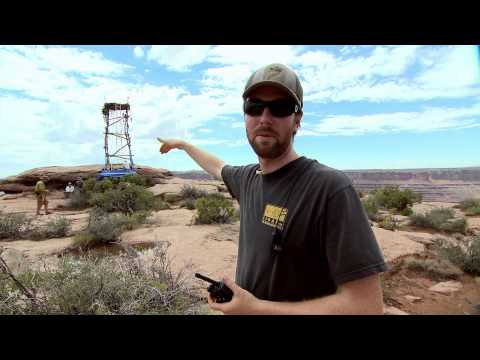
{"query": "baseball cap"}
pixel 277 75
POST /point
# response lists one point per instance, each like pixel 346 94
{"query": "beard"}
pixel 272 147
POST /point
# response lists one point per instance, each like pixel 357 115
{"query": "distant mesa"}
pixel 58 176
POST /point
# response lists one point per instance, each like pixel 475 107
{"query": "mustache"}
pixel 264 130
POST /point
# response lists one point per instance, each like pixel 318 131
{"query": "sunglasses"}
pixel 278 108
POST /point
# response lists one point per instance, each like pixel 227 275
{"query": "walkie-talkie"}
pixel 220 292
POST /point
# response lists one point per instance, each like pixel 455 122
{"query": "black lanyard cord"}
pixel 277 233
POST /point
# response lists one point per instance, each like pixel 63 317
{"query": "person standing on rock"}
pixel 41 194
pixel 305 245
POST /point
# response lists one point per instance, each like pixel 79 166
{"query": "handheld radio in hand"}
pixel 220 292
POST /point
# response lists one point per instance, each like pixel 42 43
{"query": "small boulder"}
pixel 413 299
pixel 446 287
pixel 391 310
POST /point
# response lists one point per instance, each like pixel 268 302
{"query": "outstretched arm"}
pixel 207 161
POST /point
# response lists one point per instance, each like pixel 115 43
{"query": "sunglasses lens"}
pixel 278 108
pixel 282 108
pixel 253 108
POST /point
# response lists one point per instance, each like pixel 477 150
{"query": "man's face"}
pixel 270 136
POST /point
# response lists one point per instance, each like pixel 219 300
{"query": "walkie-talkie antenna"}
pixel 200 276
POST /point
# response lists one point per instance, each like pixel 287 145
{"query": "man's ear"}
pixel 298 119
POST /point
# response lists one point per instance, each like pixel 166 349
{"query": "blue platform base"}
pixel 116 173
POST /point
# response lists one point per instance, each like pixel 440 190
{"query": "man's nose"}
pixel 266 117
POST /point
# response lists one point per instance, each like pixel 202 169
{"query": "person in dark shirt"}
pixel 305 246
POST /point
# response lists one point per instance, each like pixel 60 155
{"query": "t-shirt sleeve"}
pixel 232 177
pixel 351 248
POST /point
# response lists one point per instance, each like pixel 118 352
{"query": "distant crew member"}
pixel 69 190
pixel 41 194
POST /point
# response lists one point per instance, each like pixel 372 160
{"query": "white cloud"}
pixel 253 55
pixel 388 73
pixel 138 52
pixel 430 119
pixel 238 124
pixel 178 57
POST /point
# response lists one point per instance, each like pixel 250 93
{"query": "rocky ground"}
pixel 212 249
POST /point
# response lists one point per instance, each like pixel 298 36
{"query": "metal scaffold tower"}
pixel 117 140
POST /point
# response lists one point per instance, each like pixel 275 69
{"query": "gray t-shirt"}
pixel 325 235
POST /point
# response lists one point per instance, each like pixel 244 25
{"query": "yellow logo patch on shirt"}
pixel 274 216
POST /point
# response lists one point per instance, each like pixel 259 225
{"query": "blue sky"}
pixel 366 107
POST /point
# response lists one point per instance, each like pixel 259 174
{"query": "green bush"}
pixel 442 219
pixel 371 208
pixel 213 209
pixel 14 226
pixel 105 286
pixel 468 203
pixel 104 228
pixel 135 179
pixel 79 199
pixel 470 206
pixel 58 227
pixel 192 192
pixel 388 223
pixel 455 226
pixel 438 269
pixel 190 203
pixel 103 185
pixel 391 197
pixel 406 212
pixel 89 184
pixel 126 199
pixel 159 204
pixel 468 258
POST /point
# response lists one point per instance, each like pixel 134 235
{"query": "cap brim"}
pixel 274 84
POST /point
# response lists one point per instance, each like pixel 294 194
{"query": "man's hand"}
pixel 168 144
pixel 242 302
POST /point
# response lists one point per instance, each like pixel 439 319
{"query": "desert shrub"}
pixel 79 199
pixel 473 211
pixel 388 223
pixel 172 198
pixel 371 208
pixel 442 219
pixel 455 226
pixel 135 179
pixel 190 203
pixel 89 184
pixel 189 191
pixel 126 199
pixel 438 269
pixel 58 227
pixel 467 257
pixel 109 285
pixel 468 203
pixel 105 228
pixel 103 185
pixel 213 209
pixel 14 226
pixel 159 204
pixel 406 212
pixel 102 228
pixel 471 206
pixel 391 197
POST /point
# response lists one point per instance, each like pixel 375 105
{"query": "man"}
pixel 69 189
pixel 305 245
pixel 41 194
